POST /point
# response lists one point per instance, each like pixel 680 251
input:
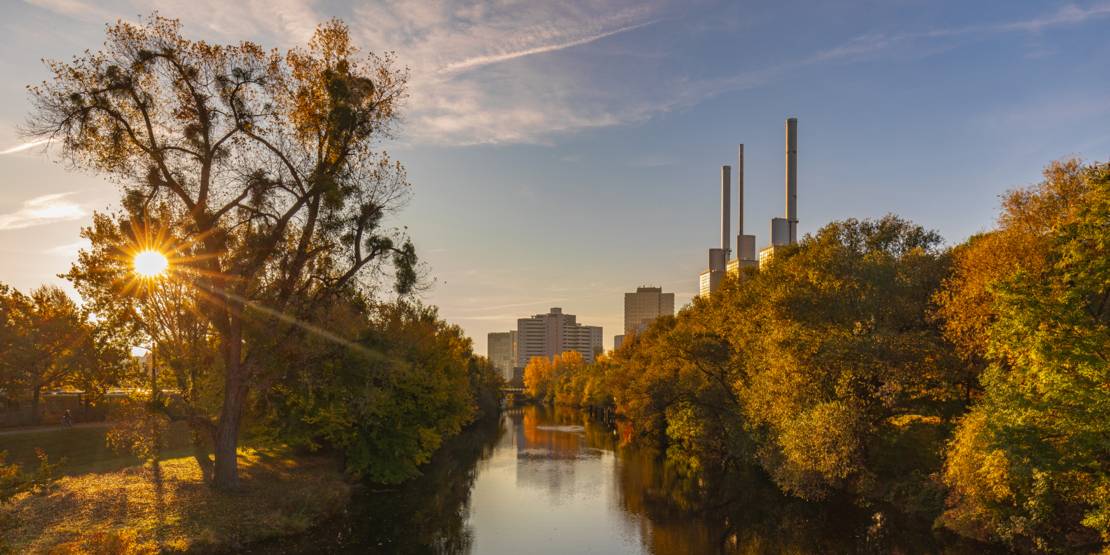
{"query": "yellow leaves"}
pixel 537 375
pixel 965 303
pixel 542 375
pixel 128 511
pixel 908 420
pixel 824 440
pixel 332 41
pixel 974 470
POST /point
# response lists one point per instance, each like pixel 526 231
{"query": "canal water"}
pixel 544 480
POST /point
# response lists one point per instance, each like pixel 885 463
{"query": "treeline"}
pixel 47 342
pixel 387 399
pixel 969 386
pixel 381 384
pixel 285 310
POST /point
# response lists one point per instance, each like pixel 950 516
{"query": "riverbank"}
pixel 167 507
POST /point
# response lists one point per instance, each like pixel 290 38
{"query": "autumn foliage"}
pixel 964 384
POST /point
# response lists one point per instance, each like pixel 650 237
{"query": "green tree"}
pixel 841 363
pixel 965 303
pixel 161 312
pixel 1031 463
pixel 12 309
pixel 822 367
pixel 267 163
pixel 50 343
pixel 387 399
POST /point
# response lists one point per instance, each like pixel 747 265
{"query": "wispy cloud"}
pixel 487 71
pixel 284 22
pixel 43 210
pixel 1068 15
pixel 479 61
pixel 522 96
pixel 65 7
pixel 523 304
pixel 520 71
pixel 874 43
pixel 24 146
pixel 69 250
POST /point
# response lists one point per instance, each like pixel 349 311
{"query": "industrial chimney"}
pixel 740 194
pixel 726 186
pixel 792 178
pixel 745 244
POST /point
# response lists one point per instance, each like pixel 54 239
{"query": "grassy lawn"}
pixel 167 507
pixel 83 447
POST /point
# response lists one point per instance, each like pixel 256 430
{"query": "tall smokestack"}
pixel 740 194
pixel 745 244
pixel 726 186
pixel 792 178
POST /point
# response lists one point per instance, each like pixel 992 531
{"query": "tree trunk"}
pixel 35 390
pixel 200 453
pixel 226 440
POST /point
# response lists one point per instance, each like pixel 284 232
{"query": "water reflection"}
pixel 552 481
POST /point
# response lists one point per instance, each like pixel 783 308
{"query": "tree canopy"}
pixel 1030 464
pixel 258 172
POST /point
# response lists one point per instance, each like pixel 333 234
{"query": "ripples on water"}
pixel 552 481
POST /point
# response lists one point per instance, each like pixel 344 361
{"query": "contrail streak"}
pixel 478 61
pixel 24 146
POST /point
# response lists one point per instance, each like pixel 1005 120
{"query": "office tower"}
pixel 645 305
pixel 554 333
pixel 501 348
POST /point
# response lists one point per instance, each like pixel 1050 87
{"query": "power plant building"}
pixel 745 244
pixel 784 231
pixel 554 333
pixel 501 349
pixel 710 278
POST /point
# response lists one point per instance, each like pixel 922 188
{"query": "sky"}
pixel 562 154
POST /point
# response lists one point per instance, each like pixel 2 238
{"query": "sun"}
pixel 151 263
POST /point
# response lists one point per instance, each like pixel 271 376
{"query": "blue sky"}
pixel 562 154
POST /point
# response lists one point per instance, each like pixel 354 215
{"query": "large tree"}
pixel 965 305
pixel 268 163
pixel 387 397
pixel 1030 464
pixel 159 312
pixel 48 342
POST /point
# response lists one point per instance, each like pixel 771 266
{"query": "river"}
pixel 554 481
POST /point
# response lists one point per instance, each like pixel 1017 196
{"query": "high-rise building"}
pixel 618 340
pixel 501 348
pixel 547 335
pixel 645 305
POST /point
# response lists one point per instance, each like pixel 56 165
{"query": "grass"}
pixel 83 447
pixel 167 507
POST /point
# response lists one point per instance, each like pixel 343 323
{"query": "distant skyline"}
pixel 563 155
